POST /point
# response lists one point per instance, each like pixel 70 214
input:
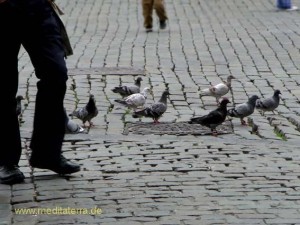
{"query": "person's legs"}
pixel 160 10
pixel 43 42
pixel 10 137
pixel 147 13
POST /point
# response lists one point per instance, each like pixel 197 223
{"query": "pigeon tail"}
pixel 121 101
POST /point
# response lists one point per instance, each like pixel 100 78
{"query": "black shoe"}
pixel 11 175
pixel 63 166
pixel 162 24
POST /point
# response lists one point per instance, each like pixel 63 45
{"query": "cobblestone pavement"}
pixel 155 175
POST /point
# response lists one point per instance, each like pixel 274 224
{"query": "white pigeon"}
pixel 135 100
pixel 125 90
pixel 268 104
pixel 71 127
pixel 155 110
pixel 243 110
pixel 218 90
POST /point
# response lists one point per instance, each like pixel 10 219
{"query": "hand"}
pixel 1 1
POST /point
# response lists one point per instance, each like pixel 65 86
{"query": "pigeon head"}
pixel 253 99
pixel 230 77
pixel 91 105
pixel 277 92
pixel 146 90
pixel 166 93
pixel 138 81
pixel 225 101
pixel 164 96
pixel 92 97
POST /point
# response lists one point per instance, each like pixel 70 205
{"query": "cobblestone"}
pixel 164 174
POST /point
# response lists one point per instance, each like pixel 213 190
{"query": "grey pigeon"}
pixel 218 90
pixel 71 127
pixel 268 104
pixel 19 99
pixel 135 100
pixel 213 118
pixel 125 91
pixel 87 113
pixel 243 110
pixel 155 110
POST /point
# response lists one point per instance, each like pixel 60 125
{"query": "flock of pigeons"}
pixel 218 116
pixel 134 98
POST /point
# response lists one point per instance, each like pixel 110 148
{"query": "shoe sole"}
pixel 55 170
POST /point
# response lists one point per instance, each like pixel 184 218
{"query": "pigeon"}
pixel 213 118
pixel 136 100
pixel 125 91
pixel 19 99
pixel 243 110
pixel 87 113
pixel 70 126
pixel 269 104
pixel 155 110
pixel 218 90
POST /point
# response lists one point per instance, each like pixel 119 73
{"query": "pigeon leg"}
pixel 91 124
pixel 214 133
pixel 84 125
pixel 156 121
pixel 243 122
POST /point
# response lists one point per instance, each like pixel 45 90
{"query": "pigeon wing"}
pixel 266 104
pixel 125 91
pixel 221 89
pixel 241 110
pixel 81 114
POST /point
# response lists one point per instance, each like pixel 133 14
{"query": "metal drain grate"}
pixel 179 128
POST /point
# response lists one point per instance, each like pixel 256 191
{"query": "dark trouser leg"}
pixel 43 43
pixel 9 48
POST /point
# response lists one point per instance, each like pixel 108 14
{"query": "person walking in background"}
pixel 36 26
pixel 159 7
pixel 285 5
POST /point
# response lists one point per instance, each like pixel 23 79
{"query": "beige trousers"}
pixel 148 7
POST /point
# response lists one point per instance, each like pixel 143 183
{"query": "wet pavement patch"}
pixel 174 128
